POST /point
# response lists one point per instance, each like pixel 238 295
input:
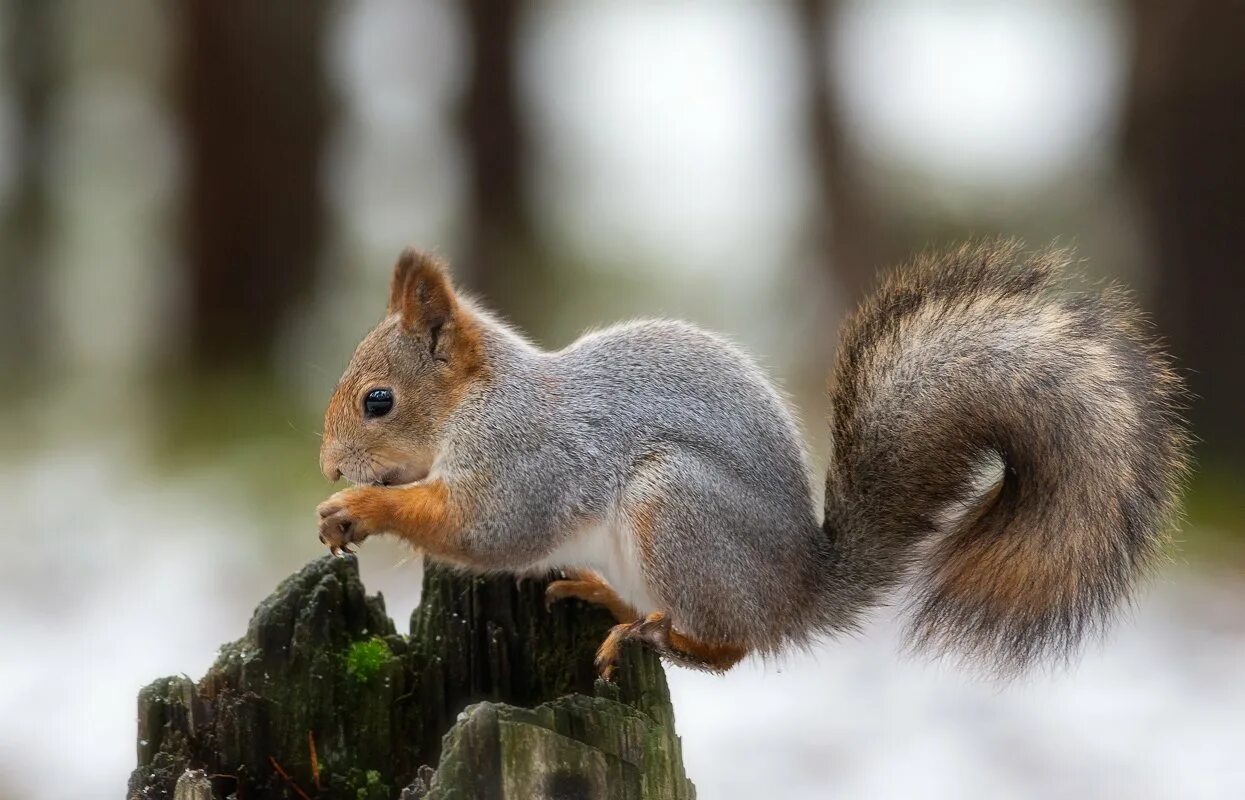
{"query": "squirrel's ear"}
pixel 421 291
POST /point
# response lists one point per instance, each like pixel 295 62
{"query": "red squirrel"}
pixel 1011 451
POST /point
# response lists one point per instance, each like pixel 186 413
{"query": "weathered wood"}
pixel 322 697
pixel 580 746
pixel 193 785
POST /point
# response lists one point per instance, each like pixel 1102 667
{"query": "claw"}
pixel 555 592
pixel 608 652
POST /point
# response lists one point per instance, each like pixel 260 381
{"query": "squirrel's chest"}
pixel 608 548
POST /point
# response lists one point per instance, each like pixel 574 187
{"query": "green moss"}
pixel 365 785
pixel 373 787
pixel 365 659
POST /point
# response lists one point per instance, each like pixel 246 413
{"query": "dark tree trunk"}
pixel 1184 130
pixel 500 260
pixel 32 66
pixel 847 227
pixel 497 692
pixel 255 111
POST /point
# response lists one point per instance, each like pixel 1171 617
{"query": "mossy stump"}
pixel 492 696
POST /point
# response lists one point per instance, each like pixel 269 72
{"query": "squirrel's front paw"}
pixel 349 517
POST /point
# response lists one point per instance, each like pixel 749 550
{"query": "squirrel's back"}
pixel 646 383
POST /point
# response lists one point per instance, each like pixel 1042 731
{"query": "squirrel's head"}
pixel 406 376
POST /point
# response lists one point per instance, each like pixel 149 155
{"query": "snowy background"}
pixel 670 173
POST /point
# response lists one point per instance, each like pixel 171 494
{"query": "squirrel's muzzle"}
pixel 330 462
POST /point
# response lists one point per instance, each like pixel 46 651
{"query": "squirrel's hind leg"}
pixel 590 587
pixel 656 633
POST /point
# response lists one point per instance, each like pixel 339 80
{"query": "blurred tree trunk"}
pixel 1184 130
pixel 847 225
pixel 500 259
pixel 32 65
pixel 255 111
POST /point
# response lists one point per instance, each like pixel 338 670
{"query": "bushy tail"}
pixel 1015 451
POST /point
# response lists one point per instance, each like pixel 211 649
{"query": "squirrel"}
pixel 1011 451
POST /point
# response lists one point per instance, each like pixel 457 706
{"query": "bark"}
pixel 322 697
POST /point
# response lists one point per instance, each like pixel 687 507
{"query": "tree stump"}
pixel 492 696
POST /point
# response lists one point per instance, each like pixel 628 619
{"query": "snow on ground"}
pixel 1157 711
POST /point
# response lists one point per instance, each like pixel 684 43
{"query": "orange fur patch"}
pixel 589 587
pixel 611 649
pixel 644 526
pixel 424 515
pixel 717 656
pixel 469 356
pixel 1025 579
pixel 427 516
pixel 655 632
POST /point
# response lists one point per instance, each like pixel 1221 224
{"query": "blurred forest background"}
pixel 200 203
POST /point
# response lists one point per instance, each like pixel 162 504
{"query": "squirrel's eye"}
pixel 377 403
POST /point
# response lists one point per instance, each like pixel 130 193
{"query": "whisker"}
pixel 294 428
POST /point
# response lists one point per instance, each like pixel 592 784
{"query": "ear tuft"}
pixel 421 290
pixel 401 271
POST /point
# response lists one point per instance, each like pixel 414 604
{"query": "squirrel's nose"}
pixel 328 465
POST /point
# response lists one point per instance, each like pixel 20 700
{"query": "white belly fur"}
pixel 608 548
